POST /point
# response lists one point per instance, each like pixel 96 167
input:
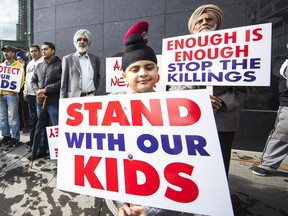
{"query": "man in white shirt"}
pixel 284 70
pixel 28 93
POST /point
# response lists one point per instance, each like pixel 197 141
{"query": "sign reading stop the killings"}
pixel 10 78
pixel 154 149
pixel 115 82
pixel 231 57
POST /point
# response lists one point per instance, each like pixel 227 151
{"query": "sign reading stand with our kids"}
pixel 154 149
pixel 231 57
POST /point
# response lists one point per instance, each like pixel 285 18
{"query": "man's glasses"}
pixel 83 39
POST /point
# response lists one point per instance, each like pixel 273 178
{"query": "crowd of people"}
pixel 45 79
pixel 48 78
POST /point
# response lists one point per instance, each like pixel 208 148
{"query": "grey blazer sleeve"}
pixel 64 78
pixel 95 61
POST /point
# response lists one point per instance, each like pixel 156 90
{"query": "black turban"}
pixel 136 49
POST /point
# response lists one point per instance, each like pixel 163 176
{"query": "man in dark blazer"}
pixel 80 70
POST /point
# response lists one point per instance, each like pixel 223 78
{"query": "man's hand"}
pixel 25 98
pixel 40 93
pixel 133 210
pixel 216 103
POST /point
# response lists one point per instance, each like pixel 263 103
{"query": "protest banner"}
pixel 230 57
pixel 10 78
pixel 115 82
pixel 157 149
pixel 52 137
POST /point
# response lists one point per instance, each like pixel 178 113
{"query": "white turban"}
pixel 214 11
pixel 80 32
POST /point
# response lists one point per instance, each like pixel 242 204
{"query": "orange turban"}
pixel 214 11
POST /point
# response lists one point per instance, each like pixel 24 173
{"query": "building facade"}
pixel 108 20
pixel 259 113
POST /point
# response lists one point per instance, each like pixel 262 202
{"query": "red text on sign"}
pixel 202 41
pixel 114 113
pixel 9 70
pixel 53 132
pixel 118 81
pixel 174 174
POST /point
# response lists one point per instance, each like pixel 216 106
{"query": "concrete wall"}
pixel 108 21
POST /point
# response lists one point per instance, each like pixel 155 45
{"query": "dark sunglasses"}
pixel 84 39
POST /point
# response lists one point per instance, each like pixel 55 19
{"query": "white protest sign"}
pixel 52 137
pixel 156 149
pixel 231 57
pixel 115 82
pixel 10 78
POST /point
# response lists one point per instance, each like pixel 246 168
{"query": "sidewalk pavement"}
pixel 32 191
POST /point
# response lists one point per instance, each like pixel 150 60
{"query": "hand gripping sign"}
pixel 230 57
pixel 154 149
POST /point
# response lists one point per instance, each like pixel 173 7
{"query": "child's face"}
pixel 141 76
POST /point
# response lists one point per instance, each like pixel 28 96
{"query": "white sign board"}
pixel 231 57
pixel 52 137
pixel 115 82
pixel 10 78
pixel 156 149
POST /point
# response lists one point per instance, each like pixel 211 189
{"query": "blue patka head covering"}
pixel 80 32
pixel 22 55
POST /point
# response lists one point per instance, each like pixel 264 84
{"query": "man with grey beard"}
pixel 80 70
pixel 225 100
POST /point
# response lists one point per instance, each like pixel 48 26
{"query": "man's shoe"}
pixel 14 142
pixel 29 157
pixel 260 171
pixel 28 143
pixel 25 130
pixel 5 141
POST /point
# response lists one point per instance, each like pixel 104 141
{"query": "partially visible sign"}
pixel 52 136
pixel 115 82
pixel 10 78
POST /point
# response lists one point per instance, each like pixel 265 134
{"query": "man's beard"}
pixel 81 49
pixel 207 29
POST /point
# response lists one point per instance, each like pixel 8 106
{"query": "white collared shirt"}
pixel 29 73
pixel 87 73
pixel 283 67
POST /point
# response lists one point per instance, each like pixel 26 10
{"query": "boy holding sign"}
pixel 140 68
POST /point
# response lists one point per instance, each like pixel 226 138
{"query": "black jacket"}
pixel 48 76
